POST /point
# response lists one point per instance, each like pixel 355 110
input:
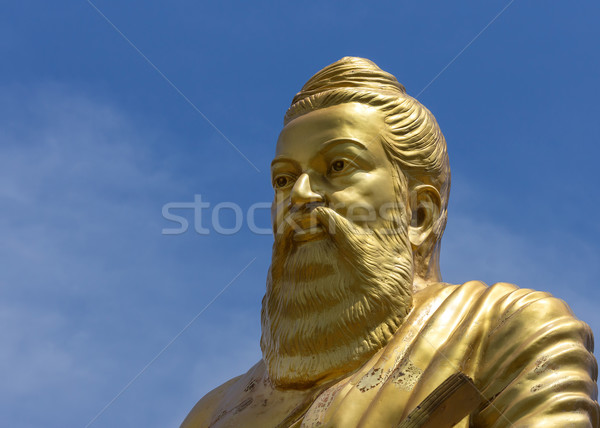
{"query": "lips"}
pixel 307 228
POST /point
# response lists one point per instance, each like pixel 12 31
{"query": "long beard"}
pixel 331 304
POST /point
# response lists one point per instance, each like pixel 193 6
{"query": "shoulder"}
pixel 503 303
pixel 536 365
pixel 203 412
pixel 529 314
pixel 534 360
pixel 514 317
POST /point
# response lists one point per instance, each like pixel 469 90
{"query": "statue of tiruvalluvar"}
pixel 358 329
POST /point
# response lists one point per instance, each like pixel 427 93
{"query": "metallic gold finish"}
pixel 358 330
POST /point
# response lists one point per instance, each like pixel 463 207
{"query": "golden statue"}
pixel 358 329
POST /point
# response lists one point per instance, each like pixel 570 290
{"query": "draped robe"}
pixel 529 358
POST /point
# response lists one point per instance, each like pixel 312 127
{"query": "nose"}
pixel 302 192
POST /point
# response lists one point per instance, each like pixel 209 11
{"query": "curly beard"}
pixel 331 304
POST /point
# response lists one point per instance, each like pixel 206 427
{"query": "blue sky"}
pixel 94 141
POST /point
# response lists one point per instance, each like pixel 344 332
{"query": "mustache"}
pixel 314 216
pixel 347 236
pixel 311 216
pixel 362 248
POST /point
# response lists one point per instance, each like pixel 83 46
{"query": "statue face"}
pixel 340 279
pixel 333 156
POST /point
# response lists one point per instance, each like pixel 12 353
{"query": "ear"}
pixel 425 206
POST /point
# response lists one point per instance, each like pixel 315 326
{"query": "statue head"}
pixel 361 178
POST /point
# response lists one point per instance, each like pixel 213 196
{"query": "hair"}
pixel 412 138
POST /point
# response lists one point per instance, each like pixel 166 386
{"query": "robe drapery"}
pixel 529 358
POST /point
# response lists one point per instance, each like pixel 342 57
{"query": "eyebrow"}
pixel 279 159
pixel 330 144
pixel 326 146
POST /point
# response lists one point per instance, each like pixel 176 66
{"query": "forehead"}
pixel 304 135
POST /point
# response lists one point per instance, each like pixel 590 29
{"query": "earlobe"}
pixel 425 205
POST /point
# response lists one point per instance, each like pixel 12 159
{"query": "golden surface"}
pixel 358 330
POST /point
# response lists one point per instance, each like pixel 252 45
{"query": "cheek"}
pixel 363 201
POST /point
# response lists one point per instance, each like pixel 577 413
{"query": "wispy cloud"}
pixel 78 189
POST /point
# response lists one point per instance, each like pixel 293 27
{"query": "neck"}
pixel 427 269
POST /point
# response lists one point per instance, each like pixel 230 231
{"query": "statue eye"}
pixel 281 182
pixel 338 165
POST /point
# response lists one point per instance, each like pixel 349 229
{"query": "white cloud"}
pixel 77 189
